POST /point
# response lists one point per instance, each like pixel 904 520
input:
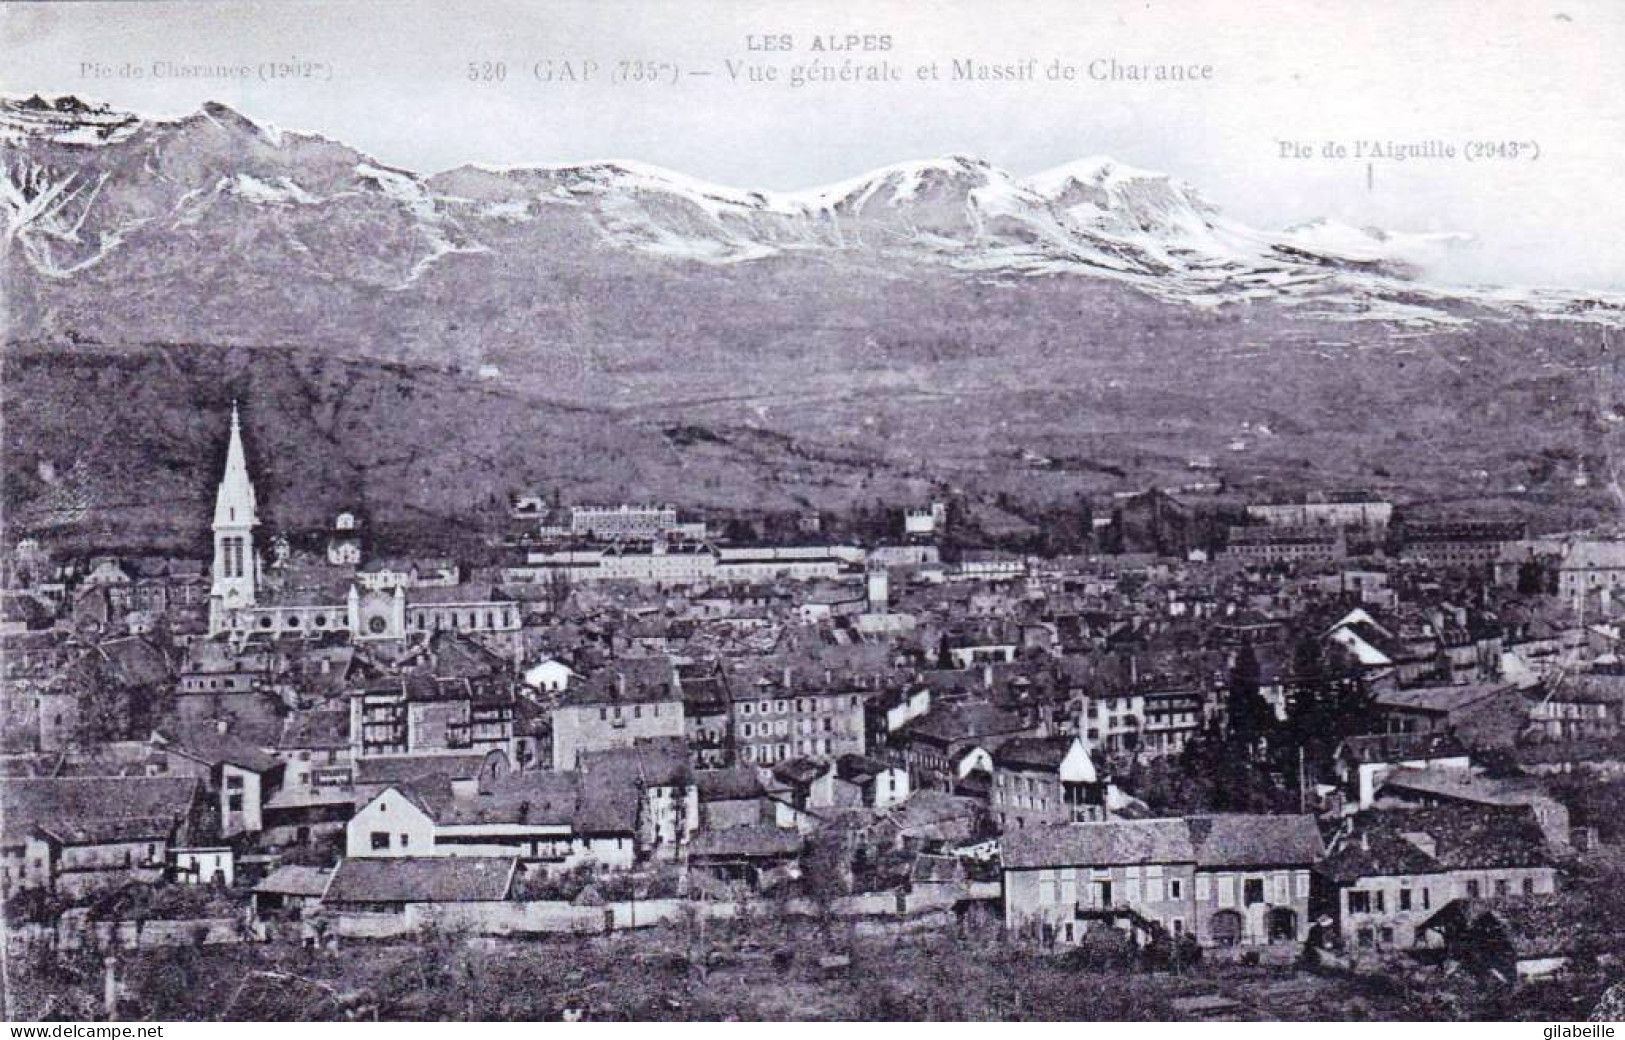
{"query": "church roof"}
pixel 234 505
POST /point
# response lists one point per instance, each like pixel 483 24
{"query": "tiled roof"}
pixel 1398 747
pixel 1464 786
pixel 97 832
pixel 1119 842
pixel 1441 699
pixel 1043 753
pixel 439 879
pixel 295 880
pixel 753 841
pixel 608 802
pixel 859 769
pixel 1379 853
pixel 629 682
pixel 1595 555
pixel 1233 840
pixel 394 769
pixel 321 728
pixel 652 763
pixel 1460 837
pixel 469 593
pixel 1244 840
pixel 72 801
pixel 928 809
pixel 204 742
pixel 946 723
pixel 455 656
pixel 541 798
pixel 798 771
pixel 723 785
pixel 1480 837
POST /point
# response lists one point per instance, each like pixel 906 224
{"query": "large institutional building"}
pixel 245 600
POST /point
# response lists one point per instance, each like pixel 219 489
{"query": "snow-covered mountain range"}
pixel 202 209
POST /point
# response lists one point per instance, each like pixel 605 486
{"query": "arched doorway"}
pixel 1282 925
pixel 1226 928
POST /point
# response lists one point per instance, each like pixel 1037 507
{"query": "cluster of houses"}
pixel 364 733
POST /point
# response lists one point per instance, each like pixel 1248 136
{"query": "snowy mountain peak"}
pixel 1113 196
pixel 906 182
pixel 302 210
pixel 63 120
pixel 1334 239
pixel 217 115
pixel 1093 171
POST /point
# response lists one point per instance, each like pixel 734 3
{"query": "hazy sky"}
pixel 1547 72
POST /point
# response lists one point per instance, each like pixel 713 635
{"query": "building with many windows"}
pixel 419 714
pixel 1459 543
pixel 1044 780
pixel 1387 872
pixel 1227 880
pixel 791 714
pixel 1326 509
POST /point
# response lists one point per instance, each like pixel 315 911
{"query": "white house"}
pixel 215 865
pixel 550 676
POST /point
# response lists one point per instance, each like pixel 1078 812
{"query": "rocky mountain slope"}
pixel 214 227
pixel 934 321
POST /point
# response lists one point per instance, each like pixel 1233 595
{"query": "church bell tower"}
pixel 235 565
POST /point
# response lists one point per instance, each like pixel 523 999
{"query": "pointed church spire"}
pixel 234 505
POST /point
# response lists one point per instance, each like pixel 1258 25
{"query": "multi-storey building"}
pixel 616 709
pixel 1227 880
pixel 1588 567
pixel 1459 543
pixel 678 562
pixel 1113 721
pixel 418 714
pixel 614 523
pixel 76 835
pixel 1580 707
pixel 1044 780
pixel 1270 543
pixel 707 714
pixel 791 714
pixel 950 741
pixel 1387 872
pixel 545 820
pixel 1172 719
pixel 1326 509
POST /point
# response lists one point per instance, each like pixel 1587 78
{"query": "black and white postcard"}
pixel 812 511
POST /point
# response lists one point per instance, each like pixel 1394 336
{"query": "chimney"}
pixel 987 675
pixel 221 725
pixel 1365 842
pixel 787 677
pixel 620 684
